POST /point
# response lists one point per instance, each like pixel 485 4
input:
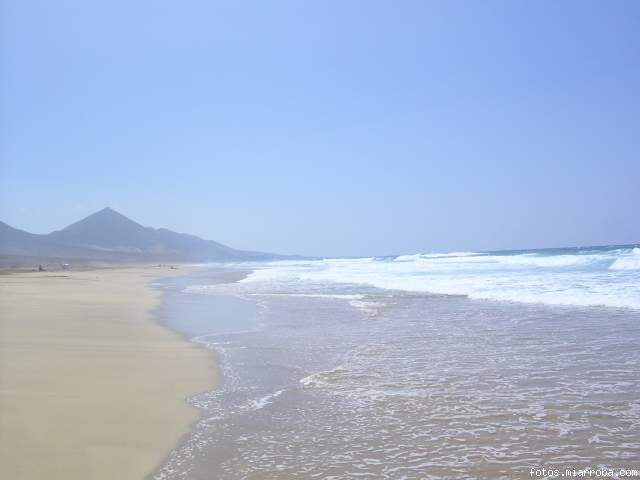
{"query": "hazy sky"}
pixel 327 128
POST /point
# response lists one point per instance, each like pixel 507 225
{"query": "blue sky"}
pixel 327 128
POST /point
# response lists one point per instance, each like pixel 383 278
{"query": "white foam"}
pixel 265 400
pixel 358 301
pixel 370 308
pixel 319 379
pixel 585 278
pixel 627 262
pixel 310 295
pixel 418 256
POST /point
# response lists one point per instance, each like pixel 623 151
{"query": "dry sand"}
pixel 90 386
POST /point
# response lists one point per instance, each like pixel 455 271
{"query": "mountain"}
pixel 109 235
pixel 20 243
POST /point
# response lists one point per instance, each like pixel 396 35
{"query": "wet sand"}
pixel 91 387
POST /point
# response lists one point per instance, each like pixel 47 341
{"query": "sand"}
pixel 91 387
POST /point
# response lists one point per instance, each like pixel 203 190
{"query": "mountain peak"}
pixel 105 227
pixel 105 218
pixel 107 212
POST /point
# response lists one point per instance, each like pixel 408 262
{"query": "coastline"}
pixel 344 380
pixel 91 385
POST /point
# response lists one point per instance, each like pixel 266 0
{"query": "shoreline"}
pixel 194 317
pixel 92 385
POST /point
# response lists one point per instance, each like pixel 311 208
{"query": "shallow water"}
pixel 349 381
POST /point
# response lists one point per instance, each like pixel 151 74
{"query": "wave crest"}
pixel 630 262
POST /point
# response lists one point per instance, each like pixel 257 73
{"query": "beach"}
pixel 91 387
pixel 334 368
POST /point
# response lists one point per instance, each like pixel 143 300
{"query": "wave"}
pixel 629 262
pixel 526 259
pixel 418 256
pixel 321 379
pixel 594 277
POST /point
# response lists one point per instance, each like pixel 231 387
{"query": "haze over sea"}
pixel 435 365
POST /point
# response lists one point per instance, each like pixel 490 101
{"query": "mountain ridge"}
pixel 111 236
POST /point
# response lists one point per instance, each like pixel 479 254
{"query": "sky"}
pixel 329 128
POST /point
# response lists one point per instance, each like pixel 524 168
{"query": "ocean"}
pixel 425 366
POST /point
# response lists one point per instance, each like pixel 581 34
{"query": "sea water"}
pixel 456 365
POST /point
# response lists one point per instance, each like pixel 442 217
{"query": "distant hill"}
pixel 20 243
pixel 110 236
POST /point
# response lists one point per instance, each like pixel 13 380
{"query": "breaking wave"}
pixel 628 262
pixel 599 276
